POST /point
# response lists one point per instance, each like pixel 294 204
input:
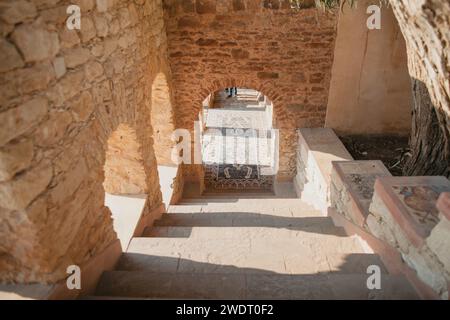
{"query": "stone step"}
pixel 142 284
pixel 282 255
pixel 266 210
pixel 241 219
pixel 251 263
pixel 240 232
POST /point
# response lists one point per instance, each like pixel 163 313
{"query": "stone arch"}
pixel 124 163
pixel 162 119
pixel 264 88
pixel 281 121
pixel 162 127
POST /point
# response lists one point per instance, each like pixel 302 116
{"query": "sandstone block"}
pixel 53 130
pixel 206 42
pixel 76 57
pixel 35 42
pixel 59 66
pixel 188 22
pixel 83 106
pixel 354 182
pixel 101 24
pixel 69 182
pixel 69 38
pixel 205 6
pixel 238 5
pixel 87 29
pixel 239 54
pixel 9 57
pixel 439 241
pixel 114 26
pixel 36 78
pixel 134 18
pixel 104 5
pixel 268 75
pixel 15 158
pixel 411 202
pixel 93 70
pixel 85 5
pixel 67 88
pixel 18 120
pixel 18 193
pixel 124 18
pixel 16 11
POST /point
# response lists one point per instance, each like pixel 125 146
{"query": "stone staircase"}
pixel 246 247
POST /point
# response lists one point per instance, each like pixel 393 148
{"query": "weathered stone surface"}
pixel 54 129
pixel 15 11
pixel 17 121
pixel 76 57
pixel 124 168
pixel 352 187
pixel 35 78
pixel 251 47
pixel 9 57
pixel 17 194
pixel 68 38
pixel 15 158
pixel 83 106
pixel 35 42
pixel 59 66
pixel 47 112
pixel 438 242
pixel 314 167
pixel 101 25
pixel 403 213
pixel 87 29
pixel 205 6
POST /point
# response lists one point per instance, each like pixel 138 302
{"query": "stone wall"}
pixel 318 148
pixel 370 91
pixel 284 53
pixel 63 93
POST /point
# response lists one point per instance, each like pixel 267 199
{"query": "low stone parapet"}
pixel 403 213
pixel 352 187
pixel 317 149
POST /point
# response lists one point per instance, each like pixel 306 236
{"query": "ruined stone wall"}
pixel 284 53
pixel 63 93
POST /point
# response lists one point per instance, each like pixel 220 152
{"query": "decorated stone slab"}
pixel 412 203
pixel 358 179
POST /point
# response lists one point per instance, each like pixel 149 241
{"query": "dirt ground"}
pixel 392 150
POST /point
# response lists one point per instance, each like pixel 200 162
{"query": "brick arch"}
pixel 223 83
pixel 283 53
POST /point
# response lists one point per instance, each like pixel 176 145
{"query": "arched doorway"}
pixel 239 143
pixel 126 185
pixel 163 125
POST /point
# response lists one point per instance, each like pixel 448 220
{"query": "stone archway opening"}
pixel 239 143
pixel 125 184
pixel 163 125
